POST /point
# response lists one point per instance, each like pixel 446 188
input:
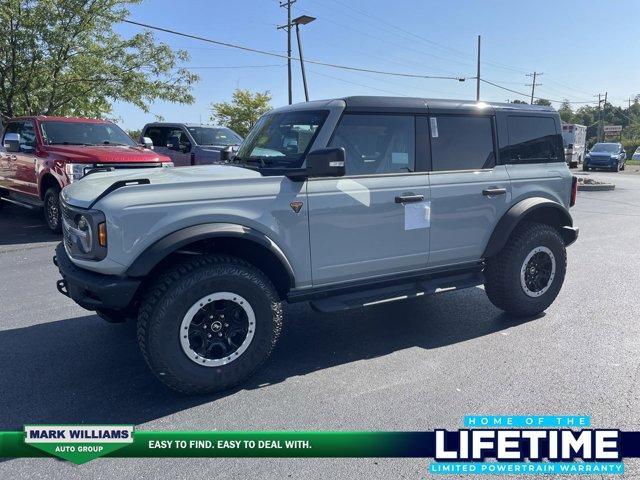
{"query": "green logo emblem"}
pixel 78 443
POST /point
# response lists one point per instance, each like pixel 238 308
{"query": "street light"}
pixel 302 20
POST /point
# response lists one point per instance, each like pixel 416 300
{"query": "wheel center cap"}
pixel 216 326
pixel 532 269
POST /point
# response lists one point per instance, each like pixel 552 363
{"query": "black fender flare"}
pixel 159 250
pixel 537 208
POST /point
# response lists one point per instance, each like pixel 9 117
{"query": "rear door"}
pixel 373 221
pixel 469 192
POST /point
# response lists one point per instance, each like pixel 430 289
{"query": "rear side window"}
pixel 534 139
pixel 376 144
pixel 461 143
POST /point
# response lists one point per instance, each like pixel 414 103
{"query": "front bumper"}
pixel 601 162
pixel 92 290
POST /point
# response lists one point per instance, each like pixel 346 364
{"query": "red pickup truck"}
pixel 41 155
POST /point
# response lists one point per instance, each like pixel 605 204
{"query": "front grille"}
pixel 67 218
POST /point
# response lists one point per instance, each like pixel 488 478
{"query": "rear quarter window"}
pixel 461 142
pixel 534 139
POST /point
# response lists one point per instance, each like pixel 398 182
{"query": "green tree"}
pixel 566 112
pixel 542 101
pixel 519 102
pixel 63 57
pixel 134 134
pixel 242 111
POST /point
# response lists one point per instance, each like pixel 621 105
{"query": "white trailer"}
pixel 575 143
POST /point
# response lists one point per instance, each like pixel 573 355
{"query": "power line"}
pixel 279 55
pixel 528 95
pixel 447 48
pixel 235 66
pixel 315 72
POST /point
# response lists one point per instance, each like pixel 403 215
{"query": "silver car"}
pixel 343 203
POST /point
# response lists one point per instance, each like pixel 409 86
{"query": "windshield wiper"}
pixel 107 142
pixel 71 143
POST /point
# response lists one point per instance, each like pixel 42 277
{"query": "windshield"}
pixel 81 133
pixel 214 136
pixel 605 147
pixel 282 139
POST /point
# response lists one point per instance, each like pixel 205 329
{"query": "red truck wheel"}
pixel 52 209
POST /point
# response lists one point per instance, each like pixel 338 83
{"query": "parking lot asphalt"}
pixel 417 365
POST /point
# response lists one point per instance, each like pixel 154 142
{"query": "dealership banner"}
pixel 486 445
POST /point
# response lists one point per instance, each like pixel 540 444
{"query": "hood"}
pixel 106 154
pixel 85 191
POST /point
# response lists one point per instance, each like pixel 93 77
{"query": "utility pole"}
pixel 478 74
pixel 288 26
pixel 601 103
pixel 533 84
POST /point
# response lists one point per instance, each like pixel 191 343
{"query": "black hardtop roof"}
pixel 434 104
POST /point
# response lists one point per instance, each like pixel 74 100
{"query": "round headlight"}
pixel 85 237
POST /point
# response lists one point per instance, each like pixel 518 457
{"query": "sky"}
pixel 582 48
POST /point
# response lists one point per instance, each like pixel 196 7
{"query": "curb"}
pixel 598 187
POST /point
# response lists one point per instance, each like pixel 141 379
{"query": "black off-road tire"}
pixel 167 302
pixel 503 271
pixel 52 213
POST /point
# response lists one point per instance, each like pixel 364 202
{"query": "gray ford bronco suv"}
pixel 343 203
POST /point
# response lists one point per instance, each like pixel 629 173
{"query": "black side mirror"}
pixel 326 162
pixel 226 153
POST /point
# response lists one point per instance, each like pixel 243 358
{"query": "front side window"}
pixel 376 144
pixel 281 139
pixel 84 133
pixel 27 133
pixel 461 143
pixel 214 136
pixel 534 139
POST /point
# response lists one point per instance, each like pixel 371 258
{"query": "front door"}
pixel 469 192
pixel 373 221
pixel 25 179
pixel 172 142
pixel 17 169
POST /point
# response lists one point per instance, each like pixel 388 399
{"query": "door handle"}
pixel 409 198
pixel 490 192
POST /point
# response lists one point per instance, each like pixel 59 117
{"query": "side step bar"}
pixel 398 292
pixel 31 206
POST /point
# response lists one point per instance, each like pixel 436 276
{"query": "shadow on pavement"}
pixel 20 226
pixel 84 370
